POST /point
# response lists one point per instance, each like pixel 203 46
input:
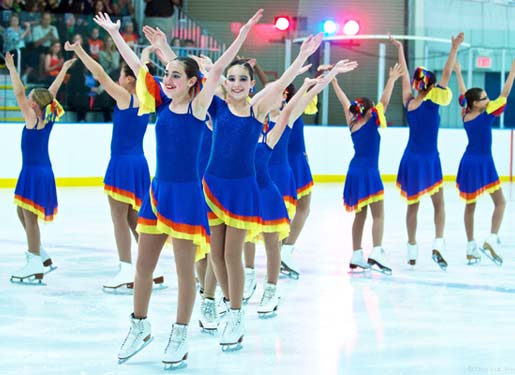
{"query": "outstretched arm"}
pixel 344 100
pixel 394 74
pixel 275 134
pixel 117 92
pixel 158 39
pixel 19 92
pixel 342 66
pixel 273 92
pixel 58 81
pixel 202 101
pixel 407 94
pixel 449 64
pixel 459 77
pixel 509 81
pixel 113 29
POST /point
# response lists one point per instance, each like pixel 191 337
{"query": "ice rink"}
pixel 418 321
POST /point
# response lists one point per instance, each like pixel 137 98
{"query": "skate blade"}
pixel 246 299
pixel 268 314
pixel 49 269
pixel 490 254
pixel 376 267
pixel 123 360
pixel 287 271
pixel 121 291
pixel 29 280
pixel 207 330
pixel 437 258
pixel 472 260
pixel 227 348
pixel 172 366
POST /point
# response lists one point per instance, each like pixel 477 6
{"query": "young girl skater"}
pixel 127 178
pixel 230 183
pixel 477 173
pixel 35 193
pixel 363 185
pixel 175 205
pixel 420 170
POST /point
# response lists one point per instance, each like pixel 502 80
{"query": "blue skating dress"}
pixel 281 172
pixel 230 184
pixel 477 173
pixel 273 210
pixel 363 184
pixel 35 190
pixel 420 169
pixel 299 160
pixel 127 177
pixel 175 204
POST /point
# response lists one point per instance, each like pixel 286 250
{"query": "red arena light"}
pixel 282 23
pixel 351 27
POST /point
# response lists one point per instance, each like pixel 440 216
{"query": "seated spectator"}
pixel 122 8
pixel 14 39
pixel 109 58
pixel 95 44
pixel 53 62
pixel 128 34
pixel 44 34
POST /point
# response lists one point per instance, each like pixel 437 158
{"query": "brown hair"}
pixel 42 97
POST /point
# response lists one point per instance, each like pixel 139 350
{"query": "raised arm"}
pixel 273 92
pixel 407 94
pixel 459 77
pixel 275 134
pixel 19 92
pixel 394 73
pixel 449 64
pixel 342 66
pixel 158 39
pixel 509 81
pixel 203 99
pixel 344 100
pixel 113 29
pixel 117 92
pixel 58 81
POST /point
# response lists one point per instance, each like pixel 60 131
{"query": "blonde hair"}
pixel 42 97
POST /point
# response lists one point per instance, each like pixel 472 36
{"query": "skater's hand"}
pixel 395 42
pixel 244 31
pixel 104 21
pixel 154 35
pixel 345 66
pixel 71 46
pixel 456 41
pixel 68 63
pixel 9 61
pixel 324 67
pixel 396 71
pixel 304 69
pixel 251 61
pixel 311 44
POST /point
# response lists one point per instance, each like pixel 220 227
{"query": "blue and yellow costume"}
pixel 230 183
pixel 35 189
pixel 175 204
pixel 281 172
pixel 273 210
pixel 363 184
pixel 477 173
pixel 420 169
pixel 127 177
pixel 299 160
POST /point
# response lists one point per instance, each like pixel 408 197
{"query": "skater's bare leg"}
pixel 377 209
pixel 201 267
pixel 217 255
pixel 499 207
pixel 122 234
pixel 234 239
pixel 149 249
pixel 184 252
pixel 470 208
pixel 273 257
pixel 210 279
pixel 357 228
pixel 301 215
pixel 439 217
pixel 411 222
pixel 249 254
pixel 32 231
pixel 19 212
pixel 132 219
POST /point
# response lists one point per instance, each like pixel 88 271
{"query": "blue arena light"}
pixel 330 27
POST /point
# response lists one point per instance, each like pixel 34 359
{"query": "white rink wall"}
pixel 82 150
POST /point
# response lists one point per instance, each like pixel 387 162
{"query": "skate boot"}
pixel 491 247
pixel 288 266
pixel 208 316
pixel 234 329
pixel 124 278
pixel 47 261
pixel 250 284
pixel 357 260
pixel 32 272
pixel 138 337
pixel 377 261
pixel 269 302
pixel 473 255
pixel 412 254
pixel 223 306
pixel 438 253
pixel 176 351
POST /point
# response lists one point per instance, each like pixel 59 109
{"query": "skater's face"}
pixel 238 83
pixel 125 80
pixel 176 81
pixel 482 102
